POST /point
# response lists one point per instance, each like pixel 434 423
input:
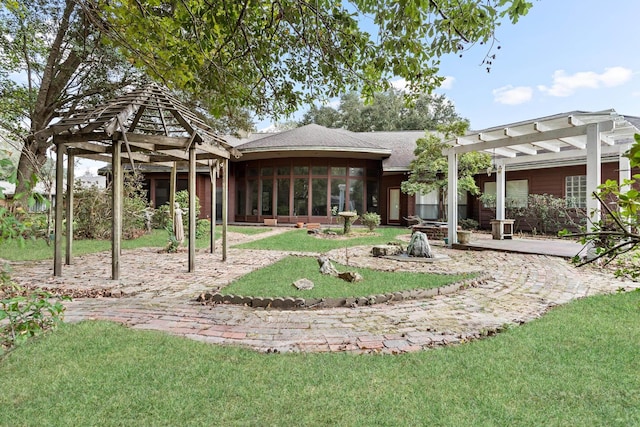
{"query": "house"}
pixel 308 173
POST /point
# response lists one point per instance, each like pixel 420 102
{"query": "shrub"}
pixel 92 210
pixel 371 220
pixel 203 228
pixel 468 224
pixel 25 313
pixel 546 214
pixel 161 218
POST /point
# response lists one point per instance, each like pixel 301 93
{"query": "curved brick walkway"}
pixel 159 295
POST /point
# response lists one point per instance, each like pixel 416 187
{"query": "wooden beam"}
pixel 192 209
pixel 116 206
pixel 57 248
pixel 215 150
pixel 213 174
pixel 69 203
pixel 170 141
pixel 225 207
pixel 89 146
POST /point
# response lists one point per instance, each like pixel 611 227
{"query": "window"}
pixel 576 191
pixel 516 194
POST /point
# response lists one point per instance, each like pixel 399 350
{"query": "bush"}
pixel 546 214
pixel 468 224
pixel 203 228
pixel 25 313
pixel 371 220
pixel 92 210
pixel 161 218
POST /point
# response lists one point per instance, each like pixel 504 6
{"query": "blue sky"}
pixel 563 55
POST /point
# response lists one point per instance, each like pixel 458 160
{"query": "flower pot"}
pixel 464 236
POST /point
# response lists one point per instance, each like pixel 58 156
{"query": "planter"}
pixel 299 224
pixel 271 222
pixel 464 237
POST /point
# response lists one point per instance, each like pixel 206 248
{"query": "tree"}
pixel 51 62
pixel 429 169
pixel 271 56
pixel 325 116
pixel 387 111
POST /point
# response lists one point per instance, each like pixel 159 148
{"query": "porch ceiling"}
pixel 552 137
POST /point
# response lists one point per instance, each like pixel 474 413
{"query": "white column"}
pixel 594 159
pixel 624 173
pixel 501 192
pixel 452 197
pixel 624 168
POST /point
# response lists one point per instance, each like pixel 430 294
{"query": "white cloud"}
pixel 447 82
pixel 401 84
pixel 510 95
pixel 565 84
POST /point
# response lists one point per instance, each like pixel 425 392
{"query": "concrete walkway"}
pixel 552 247
pixel 158 294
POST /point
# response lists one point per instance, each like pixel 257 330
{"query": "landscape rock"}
pixel 303 284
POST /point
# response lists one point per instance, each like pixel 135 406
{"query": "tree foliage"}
pixel 52 61
pixel 272 56
pixel 387 111
pixel 429 168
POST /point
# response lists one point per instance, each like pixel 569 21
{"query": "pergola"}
pixel 586 137
pixel 147 125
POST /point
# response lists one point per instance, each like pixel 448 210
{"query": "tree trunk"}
pixel 32 158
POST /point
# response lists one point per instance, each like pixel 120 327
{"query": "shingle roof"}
pixel 311 136
pixel 401 143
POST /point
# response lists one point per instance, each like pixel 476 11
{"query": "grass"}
pixel 577 365
pixel 299 240
pixel 33 250
pixel 276 280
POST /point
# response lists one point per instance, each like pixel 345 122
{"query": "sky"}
pixel 564 55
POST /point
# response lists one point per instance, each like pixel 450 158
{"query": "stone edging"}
pixel 297 303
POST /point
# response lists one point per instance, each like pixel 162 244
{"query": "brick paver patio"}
pixel 159 294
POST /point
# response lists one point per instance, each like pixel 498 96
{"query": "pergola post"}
pixel 69 202
pixel 57 248
pixel 172 190
pixel 594 154
pixel 213 174
pixel 116 207
pixel 452 197
pixel 192 209
pixel 225 207
pixel 500 193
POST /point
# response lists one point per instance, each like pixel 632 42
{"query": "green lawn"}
pixel 576 366
pixel 31 250
pixel 299 240
pixel 276 280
